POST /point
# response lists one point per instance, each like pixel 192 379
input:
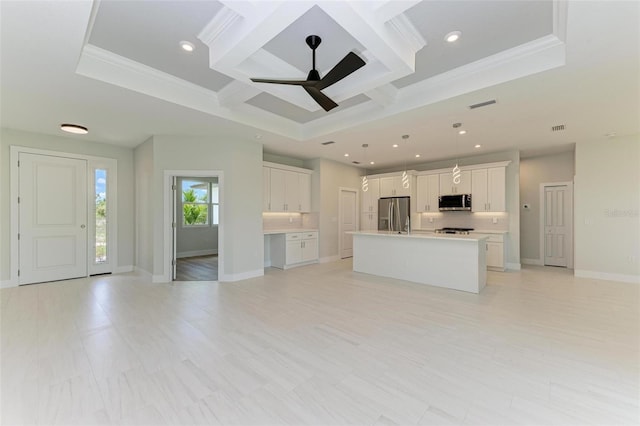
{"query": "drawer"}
pixel 308 235
pixel 495 238
pixel 294 236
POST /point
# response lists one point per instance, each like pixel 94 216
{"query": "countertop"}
pixel 475 231
pixel 287 231
pixel 420 235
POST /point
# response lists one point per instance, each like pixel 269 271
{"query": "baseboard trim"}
pixel 536 262
pixel 329 259
pixel 156 279
pixel 194 253
pixel 123 269
pixel 143 273
pixel 624 278
pixel 513 266
pixel 7 284
pixel 242 276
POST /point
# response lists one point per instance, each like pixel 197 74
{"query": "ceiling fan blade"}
pixel 290 82
pixel 323 100
pixel 346 66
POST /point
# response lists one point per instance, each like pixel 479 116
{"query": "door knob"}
pixel 82 226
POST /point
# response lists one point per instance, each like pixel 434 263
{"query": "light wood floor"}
pixel 321 345
pixel 198 268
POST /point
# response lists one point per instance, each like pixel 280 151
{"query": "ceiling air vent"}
pixel 355 162
pixel 482 104
pixel 327 142
pixel 557 128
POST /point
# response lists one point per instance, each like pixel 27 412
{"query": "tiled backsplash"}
pixel 482 221
pixel 289 220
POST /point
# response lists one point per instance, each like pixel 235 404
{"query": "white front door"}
pixel 348 222
pixel 557 221
pixel 52 218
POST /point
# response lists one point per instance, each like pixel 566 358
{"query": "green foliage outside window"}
pixel 194 212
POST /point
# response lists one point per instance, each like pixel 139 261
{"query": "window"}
pixel 199 203
pixel 101 216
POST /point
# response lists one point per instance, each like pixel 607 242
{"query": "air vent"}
pixel 482 104
pixel 328 142
pixel 355 162
pixel 557 128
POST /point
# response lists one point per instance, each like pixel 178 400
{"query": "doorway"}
pixel 347 220
pixel 204 201
pixel 196 217
pixel 556 227
pixel 64 215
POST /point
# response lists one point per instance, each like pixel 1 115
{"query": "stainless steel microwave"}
pixel 459 202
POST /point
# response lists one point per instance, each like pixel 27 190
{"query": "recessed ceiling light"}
pixel 452 36
pixel 187 47
pixel 462 132
pixel 395 145
pixel 417 155
pixel 372 162
pixel 258 136
pixel 611 135
pixel 74 128
pixel 346 155
pixel 477 146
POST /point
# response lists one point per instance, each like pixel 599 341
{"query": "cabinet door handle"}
pixel 489 204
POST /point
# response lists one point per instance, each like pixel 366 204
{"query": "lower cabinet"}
pixel 495 251
pixel 294 249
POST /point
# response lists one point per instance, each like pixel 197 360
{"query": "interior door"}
pixel 556 225
pixel 52 218
pixel 348 222
pixel 174 227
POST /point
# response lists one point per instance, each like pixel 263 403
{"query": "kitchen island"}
pixel 452 261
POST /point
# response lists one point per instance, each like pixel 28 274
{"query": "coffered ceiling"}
pixel 539 60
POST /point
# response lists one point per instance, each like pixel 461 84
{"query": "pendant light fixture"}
pixel 456 173
pixel 365 181
pixel 405 176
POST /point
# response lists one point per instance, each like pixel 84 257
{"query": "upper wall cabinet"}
pixel 369 203
pixel 488 189
pixel 428 190
pixel 288 189
pixel 447 187
pixel 391 186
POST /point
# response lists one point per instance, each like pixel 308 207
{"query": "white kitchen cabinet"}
pixel 304 192
pixel 288 191
pixel 368 221
pixel 369 199
pixel 447 187
pixel 391 186
pixel 488 190
pixel 294 249
pixel 428 190
pixel 495 251
pixel 266 189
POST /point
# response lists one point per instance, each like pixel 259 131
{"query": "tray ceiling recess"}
pixel 409 64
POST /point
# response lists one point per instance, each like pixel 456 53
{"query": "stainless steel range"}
pixel 459 231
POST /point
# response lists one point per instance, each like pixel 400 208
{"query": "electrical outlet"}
pixel 494 220
pixel 430 220
pixel 290 219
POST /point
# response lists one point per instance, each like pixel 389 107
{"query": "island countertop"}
pixel 421 235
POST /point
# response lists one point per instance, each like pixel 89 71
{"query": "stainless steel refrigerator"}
pixel 393 214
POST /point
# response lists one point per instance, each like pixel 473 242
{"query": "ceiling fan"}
pixel 314 84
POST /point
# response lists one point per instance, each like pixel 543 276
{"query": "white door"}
pixel 52 218
pixel 348 221
pixel 557 204
pixel 174 226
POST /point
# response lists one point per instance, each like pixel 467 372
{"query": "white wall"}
pixel 534 171
pixel 607 209
pixel 143 163
pixel 327 178
pixel 241 162
pixel 75 145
